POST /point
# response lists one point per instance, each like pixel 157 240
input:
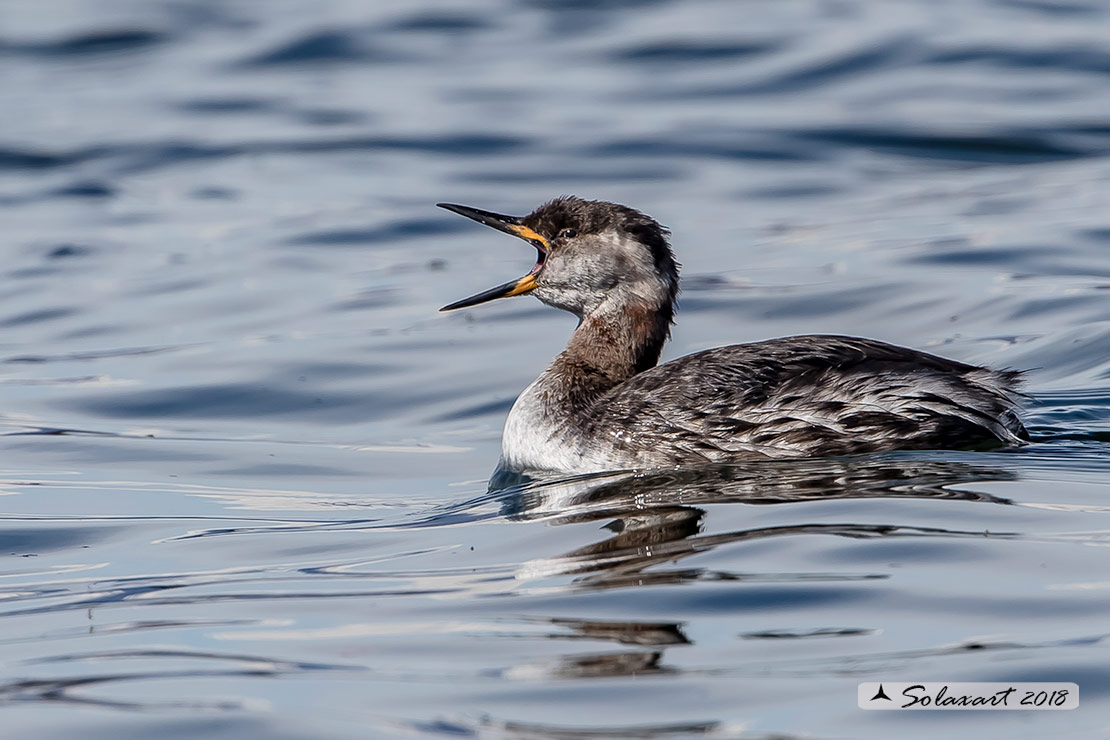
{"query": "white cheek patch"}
pixel 579 281
pixel 640 277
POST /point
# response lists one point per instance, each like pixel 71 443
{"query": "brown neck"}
pixel 610 346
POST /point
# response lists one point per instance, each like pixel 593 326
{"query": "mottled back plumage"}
pixel 603 403
pixel 807 396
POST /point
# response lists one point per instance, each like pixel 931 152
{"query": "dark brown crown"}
pixel 596 216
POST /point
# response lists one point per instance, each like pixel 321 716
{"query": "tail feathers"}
pixel 1003 389
pixel 1011 423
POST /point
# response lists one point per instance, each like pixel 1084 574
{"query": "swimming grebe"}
pixel 604 403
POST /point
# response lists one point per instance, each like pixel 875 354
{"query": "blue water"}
pixel 244 461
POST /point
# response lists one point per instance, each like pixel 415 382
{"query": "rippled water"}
pixel 244 460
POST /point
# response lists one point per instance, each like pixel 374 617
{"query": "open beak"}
pixel 510 225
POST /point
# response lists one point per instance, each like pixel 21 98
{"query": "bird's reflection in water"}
pixel 525 731
pixel 649 637
pixel 653 520
pixel 658 517
pixel 625 633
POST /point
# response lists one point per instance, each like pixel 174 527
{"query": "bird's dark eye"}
pixel 568 233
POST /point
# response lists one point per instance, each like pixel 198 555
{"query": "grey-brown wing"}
pixel 810 395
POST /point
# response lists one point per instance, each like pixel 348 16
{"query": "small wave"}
pixel 998 147
pixel 1068 59
pixel 691 51
pixel 389 233
pixel 321 47
pixel 89 43
pixel 446 22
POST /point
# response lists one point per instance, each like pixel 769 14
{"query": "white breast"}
pixel 535 440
